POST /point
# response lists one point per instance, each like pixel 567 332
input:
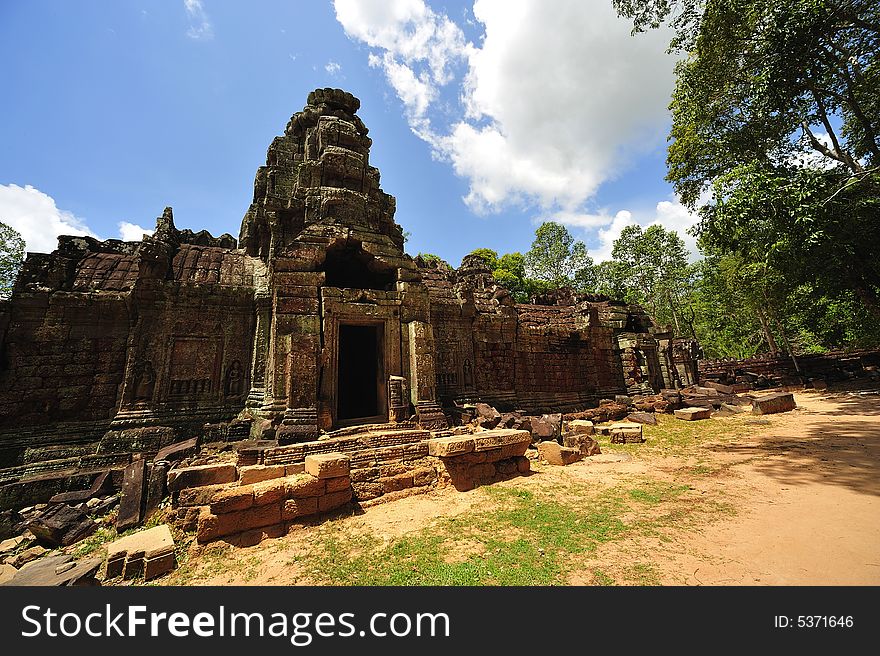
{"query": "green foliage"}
pixel 650 267
pixel 489 256
pixel 430 258
pixel 559 259
pixel 11 257
pixel 776 134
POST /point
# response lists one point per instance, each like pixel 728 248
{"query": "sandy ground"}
pixel 805 487
pixel 808 500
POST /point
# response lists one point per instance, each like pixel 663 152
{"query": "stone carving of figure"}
pixel 146 383
pixel 234 379
pixel 468 372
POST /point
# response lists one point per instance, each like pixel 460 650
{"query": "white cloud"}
pixel 132 231
pixel 332 67
pixel 555 100
pixel 671 215
pixel 36 217
pixel 200 28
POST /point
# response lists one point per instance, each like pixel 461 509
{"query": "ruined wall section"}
pixel 549 357
pixel 95 338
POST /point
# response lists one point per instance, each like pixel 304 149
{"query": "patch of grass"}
pixel 601 578
pixel 94 542
pixel 654 492
pixel 526 540
pixel 643 574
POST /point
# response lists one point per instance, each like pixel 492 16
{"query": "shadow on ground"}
pixel 838 446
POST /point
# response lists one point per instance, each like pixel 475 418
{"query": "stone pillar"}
pixel 422 376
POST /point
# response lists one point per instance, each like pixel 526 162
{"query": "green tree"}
pixel 652 268
pixel 489 256
pixel 558 259
pixel 11 257
pixel 776 134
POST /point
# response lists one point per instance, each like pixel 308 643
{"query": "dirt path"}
pixel 791 499
pixel 808 496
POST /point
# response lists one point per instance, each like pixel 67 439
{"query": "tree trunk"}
pixel 768 335
pixel 785 341
pixel 868 297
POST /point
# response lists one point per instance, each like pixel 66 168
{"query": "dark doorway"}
pixel 358 382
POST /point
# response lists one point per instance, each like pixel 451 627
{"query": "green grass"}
pixel 522 538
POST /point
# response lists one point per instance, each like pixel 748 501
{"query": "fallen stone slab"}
pixel 769 405
pixel 446 447
pixel 185 477
pixel 59 570
pixel 556 454
pixel 131 502
pixel 487 416
pixel 693 414
pixel 178 450
pixel 100 484
pixel 328 465
pixel 10 545
pixel 60 525
pixel 626 433
pixel 584 426
pixel 30 554
pixel 584 443
pixel 542 428
pixel 148 553
pixel 6 573
pixel 647 418
pixel 724 389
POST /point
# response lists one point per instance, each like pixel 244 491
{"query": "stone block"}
pixel 293 508
pixel 395 483
pixel 232 499
pixel 327 465
pixel 302 486
pixel 523 465
pixel 367 490
pixel 580 426
pixel 626 433
pixel 773 403
pixel 337 484
pixel 586 444
pixel 258 473
pixel 446 447
pixel 178 451
pixel 514 450
pixel 555 454
pixel 724 389
pixel 332 501
pixel 647 418
pixel 59 525
pixel 131 502
pixel 271 491
pixel 200 475
pixel 149 553
pixel 693 414
pixel 198 496
pixel 424 476
pixel 500 438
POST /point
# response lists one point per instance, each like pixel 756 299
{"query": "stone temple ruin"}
pixel 312 333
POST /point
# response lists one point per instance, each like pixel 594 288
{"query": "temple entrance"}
pixel 359 373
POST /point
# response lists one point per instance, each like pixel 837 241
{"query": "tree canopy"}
pixel 11 256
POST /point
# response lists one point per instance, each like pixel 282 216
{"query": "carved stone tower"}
pixel 343 310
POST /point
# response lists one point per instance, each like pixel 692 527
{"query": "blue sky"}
pixel 486 117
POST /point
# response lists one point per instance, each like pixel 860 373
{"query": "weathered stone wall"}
pixel 780 369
